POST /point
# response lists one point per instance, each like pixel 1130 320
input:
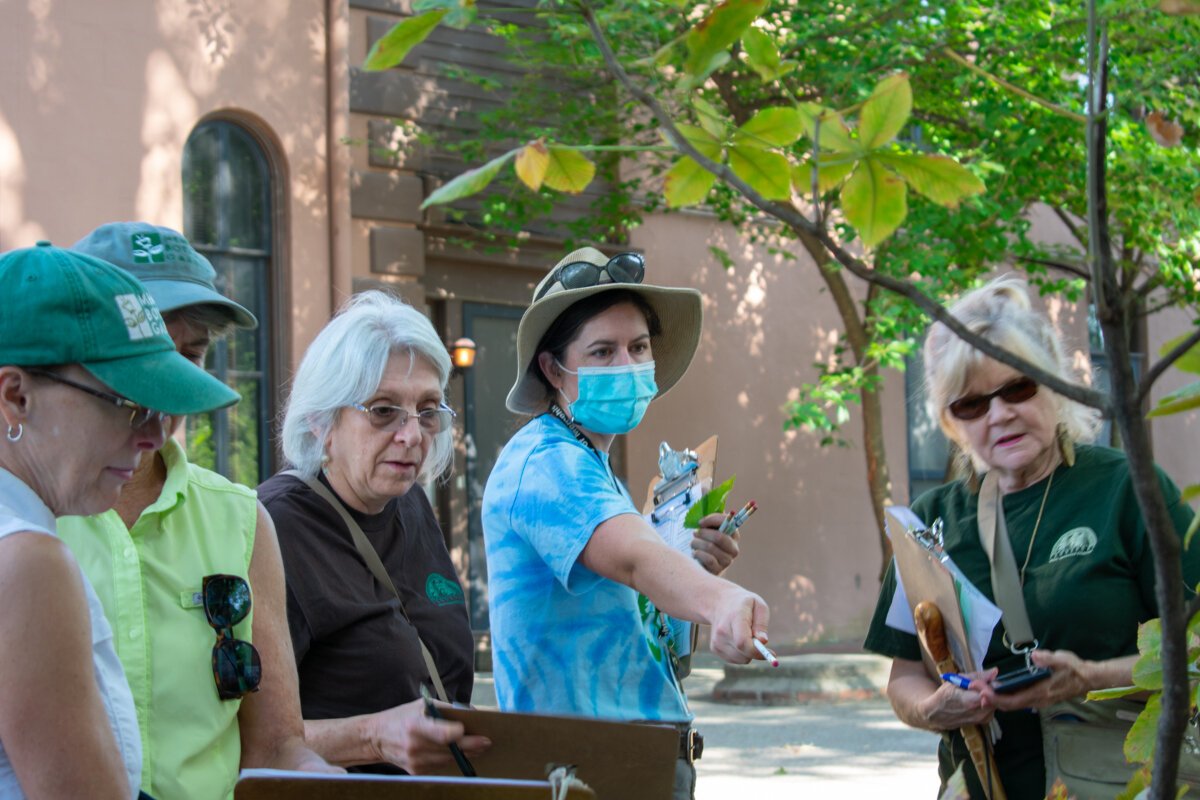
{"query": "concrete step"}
pixel 807 678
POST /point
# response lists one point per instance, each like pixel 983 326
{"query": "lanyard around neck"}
pixel 557 412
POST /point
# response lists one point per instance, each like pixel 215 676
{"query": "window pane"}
pixel 200 158
pixel 248 198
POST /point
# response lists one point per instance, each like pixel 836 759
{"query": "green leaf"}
pixel 711 503
pixel 394 45
pixel 761 53
pixel 778 126
pixel 1139 743
pixel 828 177
pixel 532 161
pixel 716 32
pixel 1177 402
pixel 768 173
pixel 468 183
pixel 834 134
pixel 710 119
pixel 1190 493
pixel 874 201
pixel 1114 692
pixel 1190 360
pixel 956 787
pixel 1191 531
pixel 943 180
pixel 568 170
pixel 699 138
pixel 886 111
pixel 687 183
pixel 1147 671
pixel 460 13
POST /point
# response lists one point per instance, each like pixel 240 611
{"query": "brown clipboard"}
pixel 618 760
pixel 263 784
pixel 925 577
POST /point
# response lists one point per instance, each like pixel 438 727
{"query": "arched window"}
pixel 228 216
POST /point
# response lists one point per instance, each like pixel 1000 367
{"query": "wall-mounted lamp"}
pixel 462 354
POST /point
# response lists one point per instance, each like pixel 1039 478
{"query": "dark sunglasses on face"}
pixel 236 665
pixel 974 406
pixel 138 415
pixel 621 268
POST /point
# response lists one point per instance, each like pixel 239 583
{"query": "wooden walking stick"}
pixel 932 633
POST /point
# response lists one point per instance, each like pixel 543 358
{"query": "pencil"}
pixel 766 653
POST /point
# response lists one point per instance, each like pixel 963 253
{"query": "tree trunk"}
pixel 879 483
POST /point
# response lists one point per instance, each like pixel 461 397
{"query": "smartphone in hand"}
pixel 1019 679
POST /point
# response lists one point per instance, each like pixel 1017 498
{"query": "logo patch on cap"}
pixel 141 316
pixel 148 249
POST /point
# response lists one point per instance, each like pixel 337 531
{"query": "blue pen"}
pixel 961 681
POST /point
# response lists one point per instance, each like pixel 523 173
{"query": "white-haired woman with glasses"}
pixel 87 374
pixel 371 587
pixel 568 552
pixel 1080 559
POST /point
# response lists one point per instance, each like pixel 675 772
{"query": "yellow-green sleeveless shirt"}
pixel 148 580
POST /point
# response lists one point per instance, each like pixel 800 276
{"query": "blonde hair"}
pixel 1001 312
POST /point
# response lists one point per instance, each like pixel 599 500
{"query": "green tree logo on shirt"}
pixel 442 591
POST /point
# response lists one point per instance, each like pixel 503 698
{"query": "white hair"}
pixel 345 364
pixel 1001 312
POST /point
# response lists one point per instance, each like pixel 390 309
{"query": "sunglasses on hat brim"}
pixel 621 268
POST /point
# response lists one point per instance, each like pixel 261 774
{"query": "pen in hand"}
pixel 734 521
pixel 464 765
pixel 954 679
pixel 766 652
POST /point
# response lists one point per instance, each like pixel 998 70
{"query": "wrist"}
pixel 371 738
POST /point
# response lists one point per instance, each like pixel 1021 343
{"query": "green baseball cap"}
pixel 162 259
pixel 68 308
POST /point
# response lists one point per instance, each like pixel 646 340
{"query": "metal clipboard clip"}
pixel 931 538
pixel 679 473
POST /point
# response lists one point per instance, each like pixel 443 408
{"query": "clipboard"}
pixel 618 760
pixel 271 784
pixel 917 550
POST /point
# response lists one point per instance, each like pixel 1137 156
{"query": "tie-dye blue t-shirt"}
pixel 564 639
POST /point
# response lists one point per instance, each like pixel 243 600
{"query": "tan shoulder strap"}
pixel 367 551
pixel 1006 583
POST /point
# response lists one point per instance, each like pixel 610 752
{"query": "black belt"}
pixel 691 745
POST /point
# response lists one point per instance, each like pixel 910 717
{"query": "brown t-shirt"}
pixel 355 652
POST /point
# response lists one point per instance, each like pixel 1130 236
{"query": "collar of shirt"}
pixel 23 502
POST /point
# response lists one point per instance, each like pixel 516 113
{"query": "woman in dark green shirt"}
pixel 1076 533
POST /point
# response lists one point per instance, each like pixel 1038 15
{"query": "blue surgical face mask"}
pixel 612 400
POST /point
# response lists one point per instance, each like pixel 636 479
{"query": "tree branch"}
pixel 1074 269
pixel 1012 87
pixel 1153 374
pixel 1066 220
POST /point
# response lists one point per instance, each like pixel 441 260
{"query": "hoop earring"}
pixel 15 437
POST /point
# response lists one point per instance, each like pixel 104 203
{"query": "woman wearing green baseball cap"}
pixel 87 375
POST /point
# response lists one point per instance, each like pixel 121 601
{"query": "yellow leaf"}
pixel 886 111
pixel 874 201
pixel 943 180
pixel 567 170
pixel 532 161
pixel 709 118
pixel 687 183
pixel 768 173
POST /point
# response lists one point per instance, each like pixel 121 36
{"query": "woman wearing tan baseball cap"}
pixel 568 553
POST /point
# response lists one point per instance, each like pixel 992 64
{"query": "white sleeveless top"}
pixel 22 510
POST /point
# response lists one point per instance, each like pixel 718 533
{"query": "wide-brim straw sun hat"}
pixel 678 309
